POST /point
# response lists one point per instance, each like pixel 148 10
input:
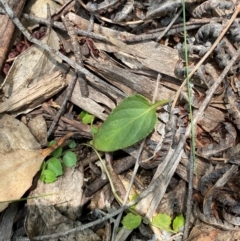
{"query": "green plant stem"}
pixel 192 153
pixel 107 173
pixel 27 198
pixel 160 103
pixel 115 193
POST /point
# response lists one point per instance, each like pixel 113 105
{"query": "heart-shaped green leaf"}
pixel 162 220
pixel 178 223
pixel 131 221
pixel 132 120
pixel 55 165
pixel 69 159
pixel 48 176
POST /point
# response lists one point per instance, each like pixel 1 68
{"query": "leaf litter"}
pixel 127 63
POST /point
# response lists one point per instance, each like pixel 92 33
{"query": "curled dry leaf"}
pixel 224 143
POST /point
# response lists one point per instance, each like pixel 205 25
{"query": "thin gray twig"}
pixel 83 227
pixel 91 23
pixel 60 25
pixel 63 106
pixel 78 55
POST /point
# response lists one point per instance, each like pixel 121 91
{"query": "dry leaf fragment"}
pixel 31 66
pixel 17 169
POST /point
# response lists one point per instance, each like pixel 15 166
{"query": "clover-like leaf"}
pixel 131 221
pixel 69 159
pixel 72 144
pixel 86 117
pixel 132 120
pixel 48 176
pixel 55 165
pixel 162 221
pixel 57 153
pixel 178 223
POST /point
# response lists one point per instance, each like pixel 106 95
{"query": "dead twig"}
pixel 78 55
pixel 91 23
pixel 60 25
pixel 63 106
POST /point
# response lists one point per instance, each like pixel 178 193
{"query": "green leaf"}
pixel 178 223
pixel 69 159
pixel 51 143
pixel 132 198
pixel 44 165
pixel 57 153
pixel 72 144
pixel 94 129
pixel 48 176
pixel 131 221
pixel 86 117
pixel 55 165
pixel 132 120
pixel 162 220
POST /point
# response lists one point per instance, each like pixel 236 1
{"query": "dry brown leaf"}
pixel 204 232
pixel 17 169
pixel 39 8
pixel 38 127
pixel 14 135
pixel 43 219
pixel 31 66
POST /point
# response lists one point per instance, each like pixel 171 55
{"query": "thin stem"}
pixel 225 29
pixel 192 153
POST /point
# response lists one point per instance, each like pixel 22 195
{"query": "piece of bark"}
pixel 123 78
pixel 150 55
pixel 29 98
pixel 96 100
pixel 7 29
pixel 201 168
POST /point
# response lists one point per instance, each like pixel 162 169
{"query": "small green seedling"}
pixel 52 168
pixel 178 223
pixel 164 222
pixel 87 118
pixel 131 221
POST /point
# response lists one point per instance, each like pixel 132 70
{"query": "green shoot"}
pixel 52 168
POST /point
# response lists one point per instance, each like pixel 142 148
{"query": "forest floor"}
pixel 78 75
